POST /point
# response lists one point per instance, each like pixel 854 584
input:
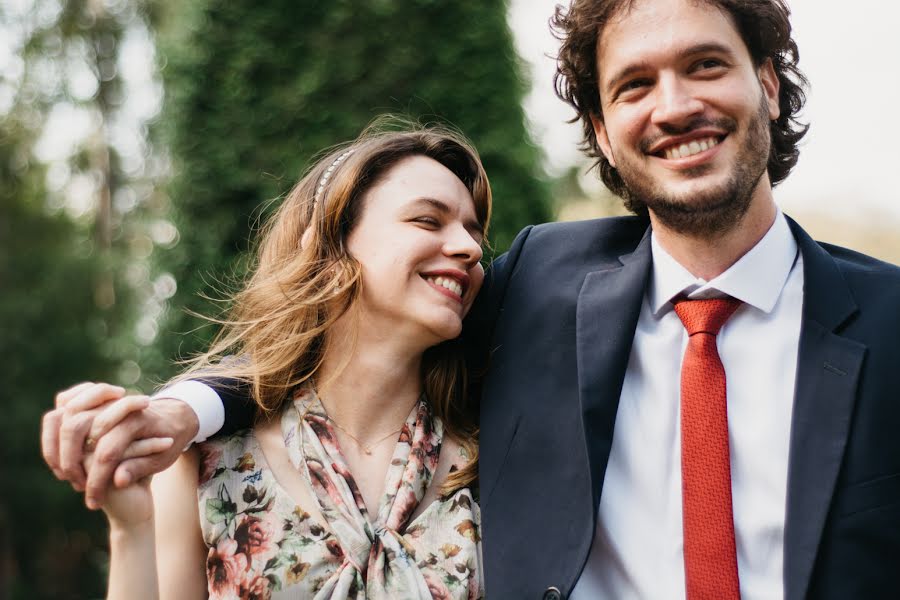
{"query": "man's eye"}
pixel 634 84
pixel 632 87
pixel 707 63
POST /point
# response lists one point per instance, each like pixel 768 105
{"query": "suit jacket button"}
pixel 552 593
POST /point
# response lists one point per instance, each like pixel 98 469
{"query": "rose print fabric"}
pixel 262 546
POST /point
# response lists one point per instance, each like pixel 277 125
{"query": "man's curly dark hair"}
pixel 765 28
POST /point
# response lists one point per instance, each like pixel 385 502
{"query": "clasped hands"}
pixel 108 444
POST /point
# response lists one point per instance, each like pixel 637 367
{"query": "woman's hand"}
pixel 131 507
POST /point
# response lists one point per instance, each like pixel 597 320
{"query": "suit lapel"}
pixel 608 308
pixel 828 369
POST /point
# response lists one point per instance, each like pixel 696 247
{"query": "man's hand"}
pixel 116 428
pixel 119 429
pixel 65 429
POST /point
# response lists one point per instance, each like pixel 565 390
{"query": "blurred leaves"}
pixel 52 333
pixel 66 309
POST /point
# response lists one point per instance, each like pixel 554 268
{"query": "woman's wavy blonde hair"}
pixel 278 323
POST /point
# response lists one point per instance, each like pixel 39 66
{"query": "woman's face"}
pixel 419 243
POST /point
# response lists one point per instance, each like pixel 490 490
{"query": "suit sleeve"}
pixel 240 408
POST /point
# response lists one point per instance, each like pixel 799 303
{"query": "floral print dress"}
pixel 262 546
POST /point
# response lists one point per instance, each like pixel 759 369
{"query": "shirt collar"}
pixel 757 278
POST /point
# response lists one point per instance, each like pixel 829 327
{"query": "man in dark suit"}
pixel 585 453
pixel 698 401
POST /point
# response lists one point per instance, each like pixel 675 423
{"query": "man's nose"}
pixel 675 103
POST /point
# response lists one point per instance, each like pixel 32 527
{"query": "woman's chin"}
pixel 445 330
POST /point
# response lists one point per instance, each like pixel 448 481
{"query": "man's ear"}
pixel 603 138
pixel 771 87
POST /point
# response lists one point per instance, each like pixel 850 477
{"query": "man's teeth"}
pixel 690 148
pixel 450 284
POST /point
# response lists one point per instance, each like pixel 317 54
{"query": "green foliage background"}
pixel 252 92
pixel 52 333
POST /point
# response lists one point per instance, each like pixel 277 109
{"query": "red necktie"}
pixel 710 558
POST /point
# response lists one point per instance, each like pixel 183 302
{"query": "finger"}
pixel 93 396
pixel 72 433
pixel 78 415
pixel 64 396
pixel 114 412
pixel 88 461
pixel 50 441
pixel 108 455
pixel 147 447
pixel 137 469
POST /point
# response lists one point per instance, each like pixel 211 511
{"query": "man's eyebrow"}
pixel 441 206
pixel 625 73
pixel 702 48
pixel 706 48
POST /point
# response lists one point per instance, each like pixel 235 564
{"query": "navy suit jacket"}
pixel 559 311
pixel 558 314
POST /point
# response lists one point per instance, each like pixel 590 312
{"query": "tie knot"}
pixel 705 316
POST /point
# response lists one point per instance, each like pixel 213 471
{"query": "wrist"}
pixel 181 414
pixel 207 411
pixel 125 532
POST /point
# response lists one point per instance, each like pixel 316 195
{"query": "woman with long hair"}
pixel 355 481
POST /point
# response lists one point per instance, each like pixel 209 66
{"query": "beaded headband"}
pixel 324 181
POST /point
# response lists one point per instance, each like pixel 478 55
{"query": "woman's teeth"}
pixel 450 284
pixel 690 148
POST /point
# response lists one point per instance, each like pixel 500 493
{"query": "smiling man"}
pixel 698 401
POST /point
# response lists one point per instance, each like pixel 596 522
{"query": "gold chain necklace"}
pixel 365 448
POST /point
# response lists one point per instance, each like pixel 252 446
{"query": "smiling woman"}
pixel 355 481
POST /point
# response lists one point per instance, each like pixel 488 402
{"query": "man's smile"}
pixel 686 146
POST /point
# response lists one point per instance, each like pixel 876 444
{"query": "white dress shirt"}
pixel 204 401
pixel 637 551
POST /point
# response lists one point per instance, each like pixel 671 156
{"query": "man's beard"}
pixel 715 211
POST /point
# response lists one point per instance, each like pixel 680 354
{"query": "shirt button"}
pixel 552 593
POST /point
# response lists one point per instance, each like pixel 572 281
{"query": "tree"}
pixel 52 334
pixel 65 312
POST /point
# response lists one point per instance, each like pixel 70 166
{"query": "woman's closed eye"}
pixel 427 221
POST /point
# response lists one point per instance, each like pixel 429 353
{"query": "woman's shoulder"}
pixel 230 453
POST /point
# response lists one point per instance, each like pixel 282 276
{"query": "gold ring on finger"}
pixel 90 444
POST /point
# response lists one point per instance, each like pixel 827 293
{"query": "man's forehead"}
pixel 623 8
pixel 662 26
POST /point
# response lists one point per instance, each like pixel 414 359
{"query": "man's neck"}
pixel 707 257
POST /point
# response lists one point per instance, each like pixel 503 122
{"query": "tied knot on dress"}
pixel 377 562
pixel 710 554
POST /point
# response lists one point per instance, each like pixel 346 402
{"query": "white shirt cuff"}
pixel 203 400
